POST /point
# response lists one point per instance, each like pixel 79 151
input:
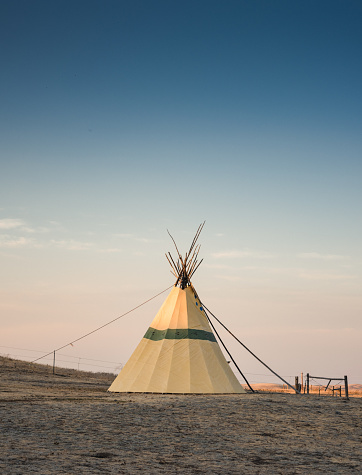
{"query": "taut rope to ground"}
pixel 102 326
pixel 242 344
pixel 228 352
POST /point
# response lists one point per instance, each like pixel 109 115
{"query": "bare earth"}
pixel 68 423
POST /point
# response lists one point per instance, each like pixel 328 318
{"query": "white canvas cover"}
pixel 178 354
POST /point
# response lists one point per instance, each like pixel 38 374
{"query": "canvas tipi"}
pixel 179 352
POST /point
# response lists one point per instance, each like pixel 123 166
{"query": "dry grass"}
pixel 68 423
pixel 354 390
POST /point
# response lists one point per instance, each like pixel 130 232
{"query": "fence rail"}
pixel 345 379
pixel 71 361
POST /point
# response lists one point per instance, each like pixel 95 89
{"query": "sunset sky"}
pixel 122 119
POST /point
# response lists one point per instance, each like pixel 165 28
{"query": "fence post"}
pixel 54 362
pixel 346 387
pixel 307 383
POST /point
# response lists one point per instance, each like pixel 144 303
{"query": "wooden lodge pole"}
pixel 54 362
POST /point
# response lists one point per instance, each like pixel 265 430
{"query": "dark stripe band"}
pixel 178 334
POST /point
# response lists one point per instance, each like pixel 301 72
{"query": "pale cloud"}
pixel 325 276
pixel 145 240
pixel 124 235
pixel 72 245
pixel 9 223
pixel 111 250
pixel 20 225
pixel 216 266
pixel 229 278
pixel 55 225
pixel 324 257
pixel 15 242
pixel 35 230
pixel 135 238
pixel 271 270
pixel 243 254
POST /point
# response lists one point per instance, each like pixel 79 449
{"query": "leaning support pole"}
pixel 54 362
pixel 242 344
pixel 228 352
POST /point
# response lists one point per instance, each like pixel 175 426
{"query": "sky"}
pixel 122 119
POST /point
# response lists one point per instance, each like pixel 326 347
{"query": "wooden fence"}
pixel 333 389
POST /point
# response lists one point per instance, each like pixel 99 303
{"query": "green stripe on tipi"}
pixel 178 334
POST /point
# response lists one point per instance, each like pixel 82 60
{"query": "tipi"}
pixel 179 352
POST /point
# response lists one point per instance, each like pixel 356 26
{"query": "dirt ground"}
pixel 68 423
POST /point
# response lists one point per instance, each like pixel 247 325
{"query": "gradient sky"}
pixel 120 119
